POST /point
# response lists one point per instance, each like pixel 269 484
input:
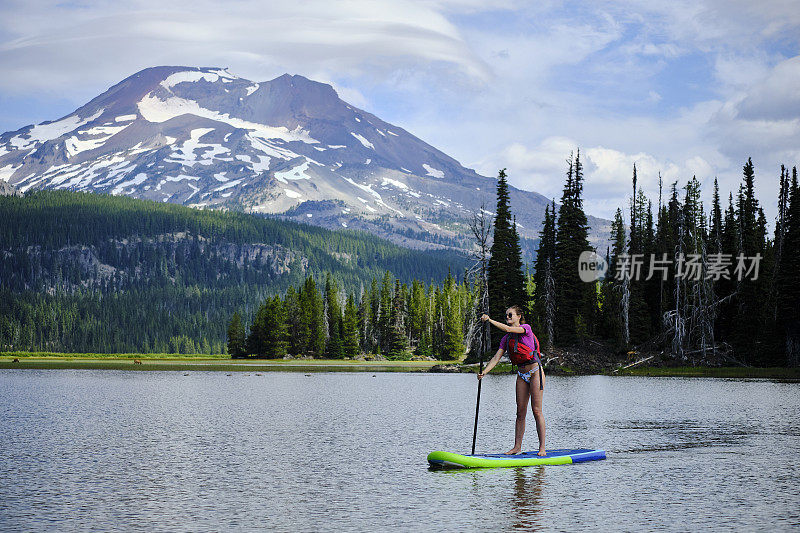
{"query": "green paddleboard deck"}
pixel 500 460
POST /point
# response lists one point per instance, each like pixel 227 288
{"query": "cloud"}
pixel 775 96
pixel 56 44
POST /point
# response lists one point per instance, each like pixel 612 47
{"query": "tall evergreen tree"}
pixel 313 309
pixel 506 281
pixel 746 339
pixel 543 277
pixel 615 322
pixel 236 336
pixel 417 313
pixel 385 311
pixel 396 342
pixel 576 300
pixel 350 345
pixel 715 242
pixel 788 279
pixel 333 349
pixel 268 333
pixel 297 331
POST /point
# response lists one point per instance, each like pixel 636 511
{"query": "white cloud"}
pixel 775 95
pixel 52 42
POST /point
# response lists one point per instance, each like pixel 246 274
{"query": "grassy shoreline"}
pixel 176 362
pixel 42 360
pixel 713 372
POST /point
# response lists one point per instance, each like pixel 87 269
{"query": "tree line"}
pixel 707 287
pixel 727 312
pixel 389 318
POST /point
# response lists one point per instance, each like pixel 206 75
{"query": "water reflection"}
pixel 527 497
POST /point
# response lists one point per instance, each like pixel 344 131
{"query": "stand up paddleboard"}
pixel 499 460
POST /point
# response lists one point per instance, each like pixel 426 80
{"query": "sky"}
pixel 680 88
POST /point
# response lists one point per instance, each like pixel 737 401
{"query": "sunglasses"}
pixel 509 315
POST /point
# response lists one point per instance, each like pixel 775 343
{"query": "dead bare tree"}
pixel 481 226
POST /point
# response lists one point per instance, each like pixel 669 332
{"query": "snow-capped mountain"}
pixel 204 137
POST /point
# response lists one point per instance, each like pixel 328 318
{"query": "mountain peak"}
pixel 312 93
pixel 204 137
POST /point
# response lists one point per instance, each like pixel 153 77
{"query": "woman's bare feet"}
pixel 542 452
pixel 514 451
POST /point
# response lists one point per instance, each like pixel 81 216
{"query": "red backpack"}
pixel 522 354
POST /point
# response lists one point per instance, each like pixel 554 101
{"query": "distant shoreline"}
pixel 212 362
pixel 175 362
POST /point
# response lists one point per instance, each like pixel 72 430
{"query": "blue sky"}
pixel 682 88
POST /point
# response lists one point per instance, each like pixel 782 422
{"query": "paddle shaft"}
pixel 477 408
pixel 478 401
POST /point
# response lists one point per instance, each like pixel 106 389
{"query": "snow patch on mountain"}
pixel 228 185
pixel 398 184
pixel 295 173
pixel 137 180
pixel 47 132
pixel 185 154
pixel 188 76
pixel 154 109
pixel 74 145
pixel 432 171
pixel 363 140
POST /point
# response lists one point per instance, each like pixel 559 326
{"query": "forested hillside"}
pixel 96 273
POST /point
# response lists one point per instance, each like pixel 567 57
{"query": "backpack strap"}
pixel 539 360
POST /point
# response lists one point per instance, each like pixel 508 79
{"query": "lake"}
pixel 163 451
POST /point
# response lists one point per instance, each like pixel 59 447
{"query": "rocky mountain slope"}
pixel 203 137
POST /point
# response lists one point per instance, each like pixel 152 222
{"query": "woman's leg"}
pixel 536 407
pixel 523 393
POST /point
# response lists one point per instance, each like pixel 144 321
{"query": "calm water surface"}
pixel 160 451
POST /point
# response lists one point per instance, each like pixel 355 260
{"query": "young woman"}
pixel 530 378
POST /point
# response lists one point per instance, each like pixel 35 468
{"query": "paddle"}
pixel 478 402
pixel 477 408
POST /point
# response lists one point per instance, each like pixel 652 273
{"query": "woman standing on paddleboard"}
pixel 523 350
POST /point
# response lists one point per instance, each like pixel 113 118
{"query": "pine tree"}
pixel 452 321
pixel 333 349
pixel 396 343
pixel 715 242
pixel 576 300
pixel 638 312
pixel 236 336
pixel 313 309
pixel 788 279
pixel 268 333
pixel 543 277
pixel 350 329
pixel 750 318
pixel 385 310
pixel 294 316
pixel 506 281
pixel 417 313
pixel 615 321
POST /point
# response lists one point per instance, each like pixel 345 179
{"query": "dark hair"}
pixel 517 309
